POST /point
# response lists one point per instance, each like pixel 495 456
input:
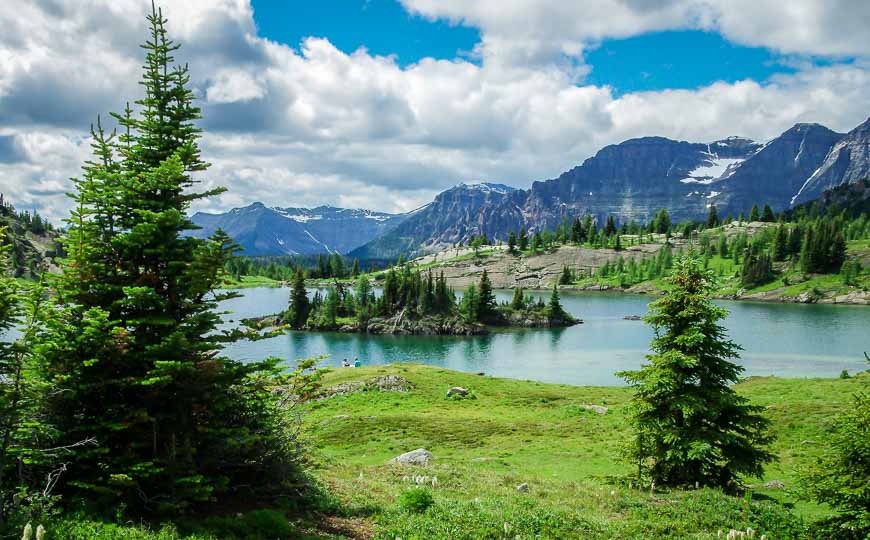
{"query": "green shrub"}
pixel 416 500
pixel 842 475
pixel 256 525
pixel 75 529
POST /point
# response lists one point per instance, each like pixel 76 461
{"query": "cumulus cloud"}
pixel 307 124
pixel 833 27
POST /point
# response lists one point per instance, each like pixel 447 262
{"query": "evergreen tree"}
pixel 577 231
pixel 135 342
pixel 328 312
pixel 566 278
pixel 355 270
pixel 723 246
pixel 469 307
pixel 841 477
pixel 691 426
pixel 661 223
pixel 444 299
pixel 795 241
pixel 297 313
pixel 524 240
pixel 365 300
pixel 486 306
pixel 757 268
pixel 518 302
pixel 617 245
pixel 512 242
pixel 21 389
pixel 753 214
pixel 712 217
pixel 610 226
pixel 322 267
pixel 780 244
pixel 554 306
pixel 767 214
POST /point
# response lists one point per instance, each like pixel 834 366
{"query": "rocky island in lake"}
pixel 414 304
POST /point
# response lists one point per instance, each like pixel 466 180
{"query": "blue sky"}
pixel 383 27
pixel 677 59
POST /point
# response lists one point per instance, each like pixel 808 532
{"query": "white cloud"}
pixel 308 124
pixel 833 27
pixel 231 85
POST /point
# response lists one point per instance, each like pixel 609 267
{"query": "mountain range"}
pixel 262 230
pixel 631 180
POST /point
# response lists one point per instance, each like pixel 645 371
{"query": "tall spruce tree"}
pixel 486 304
pixel 135 344
pixel 523 241
pixel 753 214
pixel 300 306
pixel 691 426
pixel 712 217
pixel 554 306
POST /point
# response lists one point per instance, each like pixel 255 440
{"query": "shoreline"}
pixel 856 298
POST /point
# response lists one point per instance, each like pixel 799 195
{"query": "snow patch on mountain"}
pixel 488 187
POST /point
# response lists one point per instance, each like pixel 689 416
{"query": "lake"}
pixel 786 340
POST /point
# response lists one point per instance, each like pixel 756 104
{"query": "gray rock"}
pixel 775 484
pixel 523 488
pixel 806 298
pixel 598 409
pixel 391 383
pixel 419 458
pixel 457 391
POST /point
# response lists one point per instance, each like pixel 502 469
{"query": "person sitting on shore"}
pixel 357 363
pixel 345 363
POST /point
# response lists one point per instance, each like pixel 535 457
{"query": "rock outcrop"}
pixel 416 458
pixel 847 162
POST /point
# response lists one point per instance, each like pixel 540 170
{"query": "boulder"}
pixel 597 409
pixel 523 488
pixel 419 458
pixel 775 484
pixel 457 391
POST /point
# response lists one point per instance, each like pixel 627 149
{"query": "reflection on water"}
pixel 787 340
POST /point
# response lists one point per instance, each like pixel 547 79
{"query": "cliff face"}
pixel 776 173
pixel 454 216
pixel 847 163
pixel 636 178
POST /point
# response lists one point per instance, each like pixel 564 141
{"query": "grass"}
pixel 248 282
pixel 527 432
pixel 514 432
pixel 790 282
